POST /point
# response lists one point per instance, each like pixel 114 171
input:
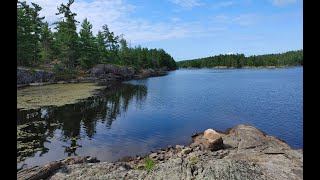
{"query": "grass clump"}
pixel 193 160
pixel 149 163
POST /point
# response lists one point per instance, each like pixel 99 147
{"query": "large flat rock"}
pixel 248 153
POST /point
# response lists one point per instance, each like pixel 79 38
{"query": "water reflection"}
pixel 35 127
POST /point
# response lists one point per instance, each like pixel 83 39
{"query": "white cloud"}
pixel 223 4
pixel 242 19
pixel 283 2
pixel 246 19
pixel 98 12
pixel 175 19
pixel 187 3
pixel 226 3
pixel 116 14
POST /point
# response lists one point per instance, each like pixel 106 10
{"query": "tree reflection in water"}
pixel 35 127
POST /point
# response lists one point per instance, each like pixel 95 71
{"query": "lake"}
pixel 142 115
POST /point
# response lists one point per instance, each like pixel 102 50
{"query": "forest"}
pixel 61 46
pixel 290 58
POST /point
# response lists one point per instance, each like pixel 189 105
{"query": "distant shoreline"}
pixel 245 67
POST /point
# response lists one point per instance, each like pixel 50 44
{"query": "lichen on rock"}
pixel 243 156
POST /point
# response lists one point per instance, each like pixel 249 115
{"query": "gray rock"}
pixel 153 155
pixel 248 154
pixel 186 150
pixel 148 72
pixel 161 157
pixel 179 147
pixel 111 72
pixel 26 76
pixel 62 82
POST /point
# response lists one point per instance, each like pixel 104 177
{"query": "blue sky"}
pixel 189 29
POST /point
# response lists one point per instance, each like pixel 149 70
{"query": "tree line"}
pixel 290 58
pixel 38 45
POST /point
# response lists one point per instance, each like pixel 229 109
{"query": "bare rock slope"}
pixel 244 152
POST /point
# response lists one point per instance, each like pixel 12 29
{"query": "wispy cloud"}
pixel 116 14
pixel 98 12
pixel 223 4
pixel 283 2
pixel 175 19
pixel 187 3
pixel 242 19
pixel 226 3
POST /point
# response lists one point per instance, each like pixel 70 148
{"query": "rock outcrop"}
pixel 45 171
pixel 148 73
pixel 26 76
pixel 111 72
pixel 246 153
pixel 103 74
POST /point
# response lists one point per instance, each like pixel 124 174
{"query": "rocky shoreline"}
pixel 101 73
pixel 243 152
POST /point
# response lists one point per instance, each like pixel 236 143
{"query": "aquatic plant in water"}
pixel 54 95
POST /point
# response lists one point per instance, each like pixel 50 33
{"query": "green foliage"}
pixel 63 73
pixel 67 37
pixel 29 26
pixel 149 163
pixel 291 58
pixel 89 54
pixel 193 160
pixel 38 45
pixel 45 44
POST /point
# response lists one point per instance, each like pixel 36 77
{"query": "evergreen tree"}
pixel 36 44
pixel 290 58
pixel 111 43
pixel 88 48
pixel 36 27
pixel 67 36
pixel 101 48
pixel 28 33
pixel 46 40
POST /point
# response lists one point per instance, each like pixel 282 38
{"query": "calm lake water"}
pixel 143 115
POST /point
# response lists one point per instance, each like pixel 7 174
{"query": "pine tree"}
pixel 88 48
pixel 101 48
pixel 36 27
pixel 111 43
pixel 28 33
pixel 67 36
pixel 46 40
